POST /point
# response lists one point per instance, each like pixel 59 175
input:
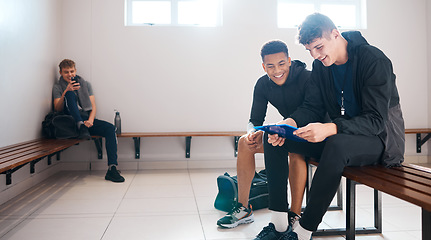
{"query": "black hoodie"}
pixel 285 98
pixel 375 92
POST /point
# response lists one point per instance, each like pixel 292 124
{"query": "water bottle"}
pixel 117 122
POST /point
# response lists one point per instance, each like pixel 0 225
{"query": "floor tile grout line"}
pixel 8 231
pixel 49 193
pixel 36 208
pixel 119 204
pixel 197 206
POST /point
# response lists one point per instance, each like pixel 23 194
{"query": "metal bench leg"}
pixel 32 167
pixel 188 145
pixel 339 195
pixel 9 172
pixel 378 211
pixel 350 209
pixel 308 183
pixel 420 141
pixel 426 223
pixel 137 141
pixel 98 142
pixel 236 139
pixel 8 178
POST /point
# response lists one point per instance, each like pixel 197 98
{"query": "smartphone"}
pixel 75 79
pixel 283 130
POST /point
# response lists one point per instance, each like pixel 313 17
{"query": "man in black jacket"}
pixel 355 84
pixel 283 86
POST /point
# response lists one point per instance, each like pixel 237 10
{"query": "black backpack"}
pixel 227 196
pixel 59 125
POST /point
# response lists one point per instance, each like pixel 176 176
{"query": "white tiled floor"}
pixel 161 204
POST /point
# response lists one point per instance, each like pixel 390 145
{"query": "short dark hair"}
pixel 274 46
pixel 314 26
pixel 66 63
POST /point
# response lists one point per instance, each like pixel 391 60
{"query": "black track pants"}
pixel 335 153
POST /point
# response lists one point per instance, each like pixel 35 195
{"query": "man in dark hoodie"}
pixel 355 84
pixel 283 86
pixel 74 96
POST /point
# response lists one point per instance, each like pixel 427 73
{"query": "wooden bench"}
pixel 410 183
pixel 236 134
pixel 419 140
pixel 188 137
pixel 16 156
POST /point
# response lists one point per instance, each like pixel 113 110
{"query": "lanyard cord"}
pixel 343 110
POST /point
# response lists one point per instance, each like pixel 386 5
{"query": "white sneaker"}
pixel 238 215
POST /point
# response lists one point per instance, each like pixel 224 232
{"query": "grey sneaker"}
pixel 238 215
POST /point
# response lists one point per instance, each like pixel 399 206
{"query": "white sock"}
pixel 303 234
pixel 280 221
pixel 295 225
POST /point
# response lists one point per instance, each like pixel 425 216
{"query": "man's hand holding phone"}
pixel 73 84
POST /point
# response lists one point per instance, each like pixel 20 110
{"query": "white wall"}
pixel 29 49
pixel 429 69
pixel 178 78
pixel 198 79
pixel 388 29
pixel 172 78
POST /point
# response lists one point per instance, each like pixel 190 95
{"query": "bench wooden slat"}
pixel 420 168
pixel 359 175
pixel 45 147
pixel 17 147
pixel 11 164
pixel 41 148
pixel 417 172
pixel 27 148
pixel 400 178
pixel 405 172
pixel 21 150
pixel 182 134
pixel 417 130
pixel 62 144
pixel 19 144
pixel 385 180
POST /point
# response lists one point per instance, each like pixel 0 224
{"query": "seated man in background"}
pixel 283 86
pixel 74 96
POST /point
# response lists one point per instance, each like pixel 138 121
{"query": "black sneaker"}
pixel 269 233
pixel 238 215
pixel 293 219
pixel 114 175
pixel 84 133
pixel 290 235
